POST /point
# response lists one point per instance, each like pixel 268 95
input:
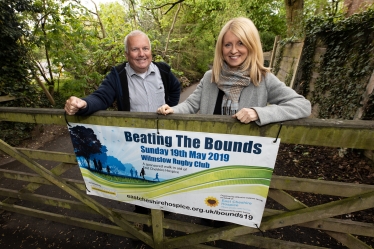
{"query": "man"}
pixel 138 85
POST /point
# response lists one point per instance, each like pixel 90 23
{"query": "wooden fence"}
pixel 292 212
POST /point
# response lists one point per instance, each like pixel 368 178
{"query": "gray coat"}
pixel 272 100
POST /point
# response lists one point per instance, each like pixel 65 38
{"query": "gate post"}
pixel 157 227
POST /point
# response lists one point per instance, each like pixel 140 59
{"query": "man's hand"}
pixel 246 115
pixel 73 104
pixel 165 109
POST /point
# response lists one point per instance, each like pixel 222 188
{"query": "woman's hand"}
pixel 246 115
pixel 165 109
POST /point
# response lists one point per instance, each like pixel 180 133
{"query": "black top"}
pixel 218 107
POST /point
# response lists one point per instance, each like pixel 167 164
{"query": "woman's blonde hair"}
pixel 248 34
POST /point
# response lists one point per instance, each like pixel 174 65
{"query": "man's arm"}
pixel 175 90
pixel 99 100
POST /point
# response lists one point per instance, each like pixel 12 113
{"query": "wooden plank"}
pixel 31 187
pixel 329 224
pixel 342 226
pixel 294 182
pixel 319 186
pixel 350 241
pixel 305 129
pixel 369 154
pixel 348 205
pixel 46 200
pixel 49 155
pixel 273 53
pixel 34 178
pixel 223 233
pixel 22 176
pixel 357 134
pixel 157 228
pixel 285 199
pixel 6 98
pixel 71 205
pixel 97 226
pixel 363 229
pixel 327 210
pixel 263 242
pixel 278 182
pixel 39 169
pixel 291 203
pixel 296 67
pixel 198 247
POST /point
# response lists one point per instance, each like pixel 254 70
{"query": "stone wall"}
pixel 354 6
pixel 287 63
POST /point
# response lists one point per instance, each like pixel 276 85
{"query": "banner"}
pixel 215 176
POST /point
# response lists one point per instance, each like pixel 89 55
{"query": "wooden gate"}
pixel 331 133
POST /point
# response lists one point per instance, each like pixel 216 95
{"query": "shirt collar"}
pixel 131 72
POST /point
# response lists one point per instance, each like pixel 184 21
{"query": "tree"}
pixel 15 64
pixel 85 142
pixel 186 30
pixel 16 68
pixel 294 17
pixel 324 8
pixel 59 32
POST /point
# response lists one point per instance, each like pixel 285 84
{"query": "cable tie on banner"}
pixel 158 132
pixel 280 128
pixel 260 230
pixel 87 188
pixel 66 120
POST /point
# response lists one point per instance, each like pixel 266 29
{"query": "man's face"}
pixel 139 53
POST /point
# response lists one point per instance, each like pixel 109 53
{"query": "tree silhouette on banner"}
pixel 85 142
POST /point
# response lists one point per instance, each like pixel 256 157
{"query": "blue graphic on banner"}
pixel 216 176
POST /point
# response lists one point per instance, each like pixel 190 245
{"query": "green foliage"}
pixel 267 15
pixel 193 39
pixel 14 133
pixel 323 8
pixel 73 87
pixel 15 68
pixel 66 47
pixel 267 40
pixel 68 38
pixel 346 66
pixel 14 62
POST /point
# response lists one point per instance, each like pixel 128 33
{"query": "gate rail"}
pixel 330 133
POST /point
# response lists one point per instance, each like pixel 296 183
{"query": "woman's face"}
pixel 233 50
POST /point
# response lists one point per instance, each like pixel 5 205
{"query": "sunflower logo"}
pixel 211 201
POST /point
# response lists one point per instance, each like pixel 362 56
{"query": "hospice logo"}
pixel 211 201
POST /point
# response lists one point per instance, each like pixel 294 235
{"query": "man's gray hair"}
pixel 135 33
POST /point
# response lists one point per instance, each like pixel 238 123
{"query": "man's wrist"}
pixel 85 105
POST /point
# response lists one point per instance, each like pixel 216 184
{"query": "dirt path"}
pixel 187 91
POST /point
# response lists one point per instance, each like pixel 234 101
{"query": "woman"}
pixel 239 84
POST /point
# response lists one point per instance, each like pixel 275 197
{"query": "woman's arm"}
pixel 283 103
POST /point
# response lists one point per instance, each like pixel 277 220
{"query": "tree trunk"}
pixel 171 28
pixel 103 32
pixel 133 13
pixel 294 15
pixel 49 67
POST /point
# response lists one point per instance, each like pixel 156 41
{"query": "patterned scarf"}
pixel 232 82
